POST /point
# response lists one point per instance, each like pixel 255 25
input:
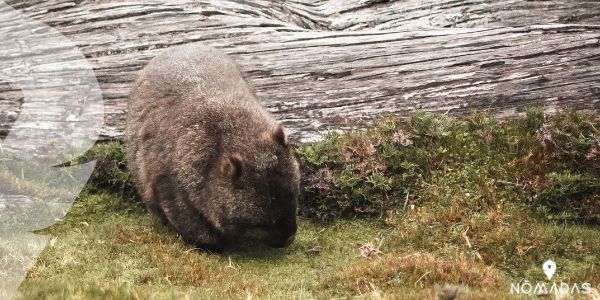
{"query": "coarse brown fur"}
pixel 206 156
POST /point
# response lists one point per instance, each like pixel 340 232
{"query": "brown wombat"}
pixel 205 156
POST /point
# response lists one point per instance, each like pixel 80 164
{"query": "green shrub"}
pixel 382 170
pixel 111 171
pixel 572 195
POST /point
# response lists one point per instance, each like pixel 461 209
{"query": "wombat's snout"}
pixel 289 240
pixel 285 236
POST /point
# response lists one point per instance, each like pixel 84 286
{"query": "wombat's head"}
pixel 260 187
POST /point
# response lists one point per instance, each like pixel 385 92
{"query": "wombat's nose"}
pixel 281 242
pixel 289 240
pixel 285 234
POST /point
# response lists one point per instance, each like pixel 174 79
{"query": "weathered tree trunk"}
pixel 321 64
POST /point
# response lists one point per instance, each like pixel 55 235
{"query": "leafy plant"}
pixel 395 163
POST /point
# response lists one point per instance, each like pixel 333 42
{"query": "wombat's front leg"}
pixel 193 227
pixel 203 235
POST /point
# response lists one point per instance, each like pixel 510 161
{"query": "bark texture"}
pixel 319 64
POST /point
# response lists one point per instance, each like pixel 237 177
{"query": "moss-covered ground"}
pixel 419 208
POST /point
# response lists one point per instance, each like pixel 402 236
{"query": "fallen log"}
pixel 314 77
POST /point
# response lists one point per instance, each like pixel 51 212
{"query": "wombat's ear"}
pixel 278 135
pixel 232 166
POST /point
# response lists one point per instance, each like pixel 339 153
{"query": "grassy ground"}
pixel 413 209
pixel 108 247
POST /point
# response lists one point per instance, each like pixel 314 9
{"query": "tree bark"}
pixel 320 65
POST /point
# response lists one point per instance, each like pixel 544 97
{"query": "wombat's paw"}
pixel 208 245
pixel 210 248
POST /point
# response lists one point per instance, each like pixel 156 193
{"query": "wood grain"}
pixel 320 65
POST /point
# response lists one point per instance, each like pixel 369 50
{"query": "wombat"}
pixel 205 156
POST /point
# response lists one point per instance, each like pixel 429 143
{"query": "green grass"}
pixel 471 205
pixel 109 247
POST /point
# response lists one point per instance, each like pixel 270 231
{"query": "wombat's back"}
pixel 188 72
pixel 205 155
pixel 180 93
